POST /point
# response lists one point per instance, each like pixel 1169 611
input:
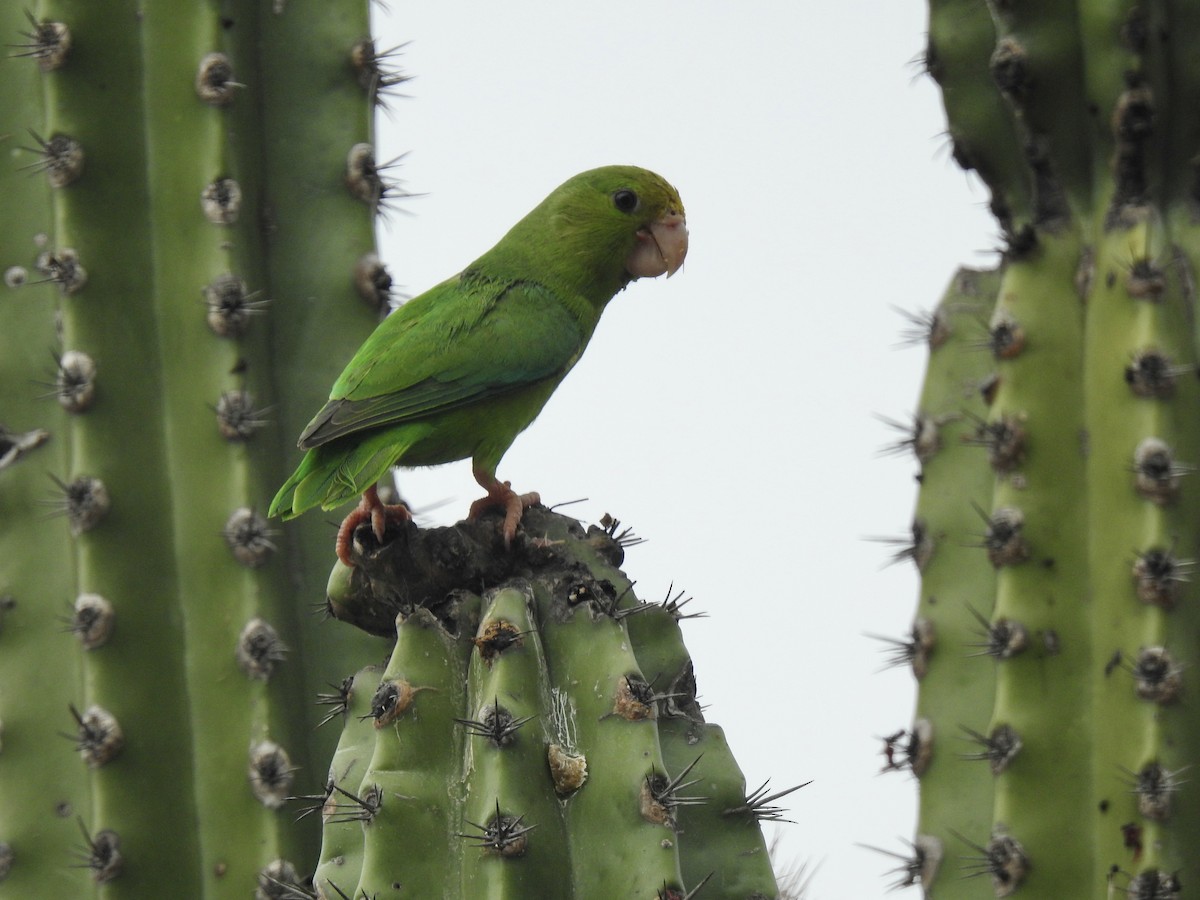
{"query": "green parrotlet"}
pixel 459 371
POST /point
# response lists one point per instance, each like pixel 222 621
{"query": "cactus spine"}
pixel 541 738
pixel 1081 120
pixel 200 244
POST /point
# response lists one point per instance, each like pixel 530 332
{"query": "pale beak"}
pixel 661 247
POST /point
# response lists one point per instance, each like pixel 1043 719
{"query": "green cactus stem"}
pixel 37 590
pixel 540 738
pixel 950 440
pixel 1082 119
pixel 198 241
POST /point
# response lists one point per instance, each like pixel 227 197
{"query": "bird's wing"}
pixel 461 342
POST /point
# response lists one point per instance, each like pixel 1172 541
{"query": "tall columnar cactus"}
pixel 186 202
pixel 534 734
pixel 1059 431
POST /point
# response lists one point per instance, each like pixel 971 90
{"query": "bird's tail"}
pixel 337 472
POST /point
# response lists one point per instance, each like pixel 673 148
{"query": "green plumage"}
pixel 461 370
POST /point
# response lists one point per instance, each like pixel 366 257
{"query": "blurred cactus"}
pixel 180 248
pixel 1058 519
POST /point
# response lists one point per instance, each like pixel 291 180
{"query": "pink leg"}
pixel 370 507
pixel 500 493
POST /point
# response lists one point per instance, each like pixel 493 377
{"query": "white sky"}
pixel 727 415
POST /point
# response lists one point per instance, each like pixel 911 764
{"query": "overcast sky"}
pixel 728 415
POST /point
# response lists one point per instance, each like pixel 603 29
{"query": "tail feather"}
pixel 282 505
pixel 334 473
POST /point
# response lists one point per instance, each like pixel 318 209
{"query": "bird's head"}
pixel 626 221
pixel 594 234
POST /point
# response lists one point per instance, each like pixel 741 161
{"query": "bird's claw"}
pixel 500 493
pixel 372 509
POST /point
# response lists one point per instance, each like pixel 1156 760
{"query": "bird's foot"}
pixel 500 493
pixel 374 510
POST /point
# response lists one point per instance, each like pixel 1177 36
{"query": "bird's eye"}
pixel 625 200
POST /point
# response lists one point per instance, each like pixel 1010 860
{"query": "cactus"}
pixel 190 256
pixel 181 235
pixel 533 712
pixel 1057 436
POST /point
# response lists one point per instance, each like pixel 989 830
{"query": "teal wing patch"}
pixel 462 342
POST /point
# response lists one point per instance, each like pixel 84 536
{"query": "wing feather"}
pixel 463 342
